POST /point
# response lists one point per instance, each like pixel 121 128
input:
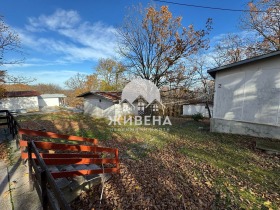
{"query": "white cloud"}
pixel 66 35
pixel 96 36
pixel 59 19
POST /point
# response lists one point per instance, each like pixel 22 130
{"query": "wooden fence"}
pixel 41 178
pixel 64 154
pixel 10 121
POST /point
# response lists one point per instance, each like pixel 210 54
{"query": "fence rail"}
pixel 40 177
pixel 65 154
pixel 11 122
pixel 43 178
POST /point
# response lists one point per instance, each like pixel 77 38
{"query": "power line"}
pixel 206 7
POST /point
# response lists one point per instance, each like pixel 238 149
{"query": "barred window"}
pixel 155 108
pixel 141 106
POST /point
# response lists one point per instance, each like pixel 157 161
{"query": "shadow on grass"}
pixel 171 169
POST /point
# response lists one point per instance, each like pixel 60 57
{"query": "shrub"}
pixel 198 116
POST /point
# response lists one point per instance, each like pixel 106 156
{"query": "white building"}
pixel 20 100
pixel 194 108
pixel 101 104
pixel 108 103
pixel 30 101
pixel 51 100
pixel 247 97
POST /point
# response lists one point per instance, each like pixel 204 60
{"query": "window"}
pixel 155 108
pixel 141 106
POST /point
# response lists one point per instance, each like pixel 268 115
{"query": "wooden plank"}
pixel 38 189
pixel 24 155
pixel 83 172
pixel 57 192
pixel 53 201
pixel 71 147
pixel 29 149
pixel 44 190
pixel 36 170
pixel 56 136
pixel 67 161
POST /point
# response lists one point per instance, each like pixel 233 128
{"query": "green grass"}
pixel 242 175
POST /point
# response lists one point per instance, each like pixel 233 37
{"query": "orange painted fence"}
pixel 56 136
pixel 68 157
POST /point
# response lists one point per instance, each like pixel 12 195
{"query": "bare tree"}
pixel 230 48
pixel 111 74
pixel 79 84
pixel 10 79
pixel 264 19
pixel 2 81
pixel 154 43
pixel 203 83
pixel 50 88
pixel 9 45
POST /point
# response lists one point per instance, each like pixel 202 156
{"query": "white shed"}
pixel 104 104
pixel 247 97
pixel 190 109
pixel 20 100
pixel 109 104
pixel 51 100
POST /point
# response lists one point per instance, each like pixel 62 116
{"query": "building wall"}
pixel 48 102
pixel 99 107
pixel 250 93
pixel 196 108
pixel 244 128
pixel 27 103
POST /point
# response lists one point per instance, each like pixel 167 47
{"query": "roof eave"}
pixel 212 72
pixel 85 94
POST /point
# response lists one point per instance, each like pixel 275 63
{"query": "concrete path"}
pixel 15 193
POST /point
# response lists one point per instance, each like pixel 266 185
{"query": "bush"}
pixel 198 116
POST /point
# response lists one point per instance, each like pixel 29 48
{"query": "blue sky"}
pixel 62 38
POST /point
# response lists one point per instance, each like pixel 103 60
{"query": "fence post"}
pixel 29 149
pixel 18 138
pixel 8 121
pixel 44 189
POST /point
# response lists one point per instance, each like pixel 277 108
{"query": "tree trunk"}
pixel 208 109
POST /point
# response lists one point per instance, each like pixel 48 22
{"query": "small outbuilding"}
pixel 197 107
pixel 103 103
pixel 25 101
pixel 247 97
pixel 51 100
pixel 109 104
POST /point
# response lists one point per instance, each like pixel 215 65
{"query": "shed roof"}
pixel 213 72
pixel 113 96
pixel 14 94
pixel 53 96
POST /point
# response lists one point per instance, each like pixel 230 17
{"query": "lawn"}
pixel 182 166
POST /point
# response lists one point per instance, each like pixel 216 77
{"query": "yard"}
pixel 185 167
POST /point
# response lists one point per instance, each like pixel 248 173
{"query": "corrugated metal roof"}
pixel 212 72
pixel 53 96
pixel 14 94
